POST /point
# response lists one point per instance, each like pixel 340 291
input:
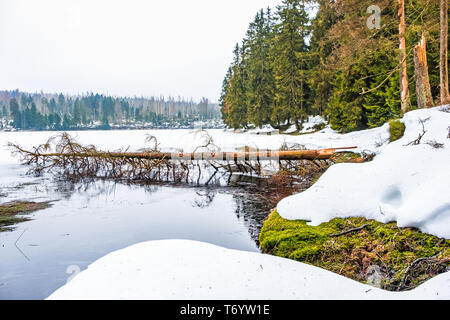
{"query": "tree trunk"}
pixel 319 154
pixel 445 96
pixel 404 90
pixel 298 125
pixel 423 89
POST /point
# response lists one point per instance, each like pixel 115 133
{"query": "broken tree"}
pixel 423 89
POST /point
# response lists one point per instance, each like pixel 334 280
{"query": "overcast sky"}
pixel 121 47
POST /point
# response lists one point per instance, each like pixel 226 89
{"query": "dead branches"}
pixel 436 145
pixel 429 262
pixel 62 155
pixel 421 135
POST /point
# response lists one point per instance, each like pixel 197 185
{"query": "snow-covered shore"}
pixel 188 270
pixel 409 184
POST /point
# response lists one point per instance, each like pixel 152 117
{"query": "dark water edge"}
pixel 92 219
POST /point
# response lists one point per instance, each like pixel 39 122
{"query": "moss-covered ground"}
pixel 394 251
pixel 403 257
pixel 13 212
pixel 396 129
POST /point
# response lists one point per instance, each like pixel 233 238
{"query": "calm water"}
pixel 88 221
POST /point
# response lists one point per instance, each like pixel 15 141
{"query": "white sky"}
pixel 121 47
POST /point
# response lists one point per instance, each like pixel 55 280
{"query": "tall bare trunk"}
pixel 404 90
pixel 423 89
pixel 445 96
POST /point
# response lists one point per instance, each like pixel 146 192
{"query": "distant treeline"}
pixel 339 64
pixel 39 111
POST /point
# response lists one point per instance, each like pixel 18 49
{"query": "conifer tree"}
pixel 15 113
pixel 222 100
pixel 77 112
pixel 321 49
pixel 236 99
pixel 290 64
pixel 260 87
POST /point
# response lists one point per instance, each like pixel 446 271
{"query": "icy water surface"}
pixel 90 220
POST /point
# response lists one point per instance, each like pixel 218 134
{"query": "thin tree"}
pixel 404 90
pixel 445 96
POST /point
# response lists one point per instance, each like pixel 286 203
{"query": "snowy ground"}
pixel 308 127
pixel 187 270
pixel 407 184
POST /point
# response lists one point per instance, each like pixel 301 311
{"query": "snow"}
pixel 309 125
pixel 407 184
pixel 188 270
pixel 263 130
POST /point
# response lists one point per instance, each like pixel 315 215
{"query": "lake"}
pixel 88 220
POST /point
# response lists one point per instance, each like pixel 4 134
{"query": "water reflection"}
pixel 93 218
pixel 204 198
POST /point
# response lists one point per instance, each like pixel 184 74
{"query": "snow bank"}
pixel 187 270
pixel 308 126
pixel 407 184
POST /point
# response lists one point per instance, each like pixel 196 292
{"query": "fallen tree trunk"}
pixel 321 154
pixel 64 156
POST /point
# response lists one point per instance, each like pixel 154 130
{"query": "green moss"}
pixel 391 248
pixel 346 157
pixel 397 130
pixel 9 212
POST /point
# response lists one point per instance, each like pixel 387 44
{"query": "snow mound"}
pixel 309 125
pixel 409 184
pixel 187 270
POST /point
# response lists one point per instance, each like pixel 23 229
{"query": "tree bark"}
pixel 404 90
pixel 423 89
pixel 298 124
pixel 445 96
pixel 320 154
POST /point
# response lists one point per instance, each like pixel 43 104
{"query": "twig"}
pixel 419 139
pixel 350 231
pixel 417 261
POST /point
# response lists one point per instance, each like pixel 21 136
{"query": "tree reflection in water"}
pixel 255 198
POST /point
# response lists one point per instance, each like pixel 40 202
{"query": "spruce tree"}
pixel 15 113
pixel 77 113
pixel 222 100
pixel 321 47
pixel 236 99
pixel 260 86
pixel 291 63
